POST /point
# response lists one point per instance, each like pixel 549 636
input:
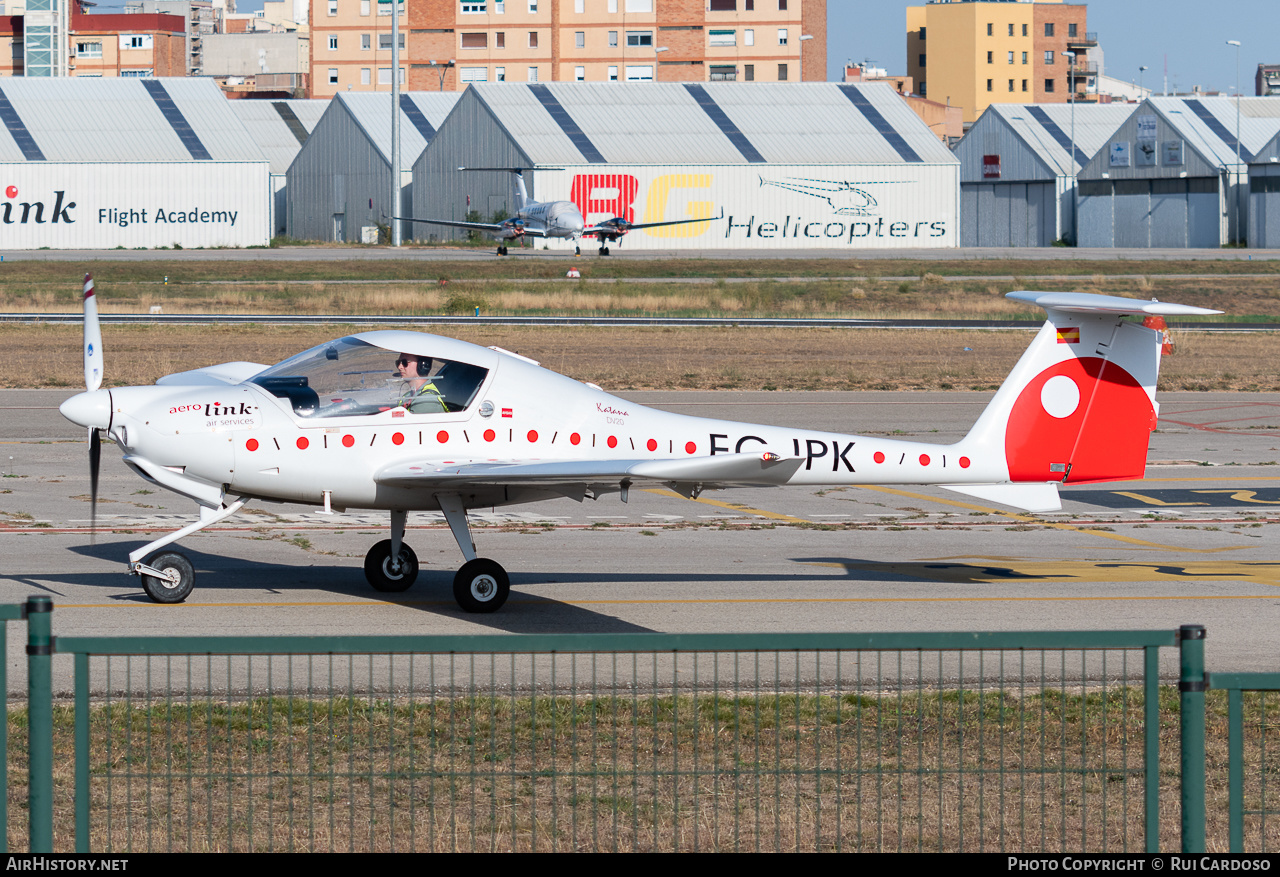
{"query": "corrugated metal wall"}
pixel 338 181
pixel 107 205
pixel 1176 213
pixel 1008 214
pixel 1264 206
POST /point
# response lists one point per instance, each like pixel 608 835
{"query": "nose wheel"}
pixel 604 251
pixel 502 251
pixel 176 577
pixel 387 575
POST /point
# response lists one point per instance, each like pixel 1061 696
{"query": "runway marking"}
pixel 1074 572
pixel 726 505
pixel 1022 517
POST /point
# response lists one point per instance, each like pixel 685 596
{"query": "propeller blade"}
pixel 95 458
pixel 92 338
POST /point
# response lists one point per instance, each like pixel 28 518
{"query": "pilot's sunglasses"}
pixel 405 361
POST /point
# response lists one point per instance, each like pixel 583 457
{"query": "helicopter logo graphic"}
pixel 845 198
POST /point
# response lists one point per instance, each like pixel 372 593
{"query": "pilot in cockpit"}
pixel 418 393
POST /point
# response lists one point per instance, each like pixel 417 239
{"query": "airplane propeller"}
pixel 92 381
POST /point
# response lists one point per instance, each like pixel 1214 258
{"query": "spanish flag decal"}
pixel 1069 336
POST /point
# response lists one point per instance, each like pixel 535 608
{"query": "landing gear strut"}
pixel 169 577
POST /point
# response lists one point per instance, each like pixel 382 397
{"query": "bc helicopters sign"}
pixel 64 206
pixel 775 207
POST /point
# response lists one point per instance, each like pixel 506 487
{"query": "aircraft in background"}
pixel 405 421
pixel 550 219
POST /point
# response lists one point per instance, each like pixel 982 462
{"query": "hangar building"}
pixel 1168 177
pixel 123 162
pixel 280 128
pixel 340 183
pixel 1017 170
pixel 1264 196
pixel 819 165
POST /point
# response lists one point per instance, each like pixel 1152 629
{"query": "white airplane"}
pixel 404 421
pixel 550 219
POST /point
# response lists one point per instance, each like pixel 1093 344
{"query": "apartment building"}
pixel 448 44
pixel 140 44
pixel 973 53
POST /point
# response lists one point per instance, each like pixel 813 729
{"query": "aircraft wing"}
pixel 596 230
pixel 493 227
pixel 718 470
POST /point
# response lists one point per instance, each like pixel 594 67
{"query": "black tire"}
pixel 481 586
pixel 377 568
pixel 166 592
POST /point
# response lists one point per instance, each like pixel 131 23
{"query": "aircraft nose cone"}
pixel 89 409
pixel 572 223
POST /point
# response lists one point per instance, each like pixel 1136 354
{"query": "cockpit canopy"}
pixel 350 377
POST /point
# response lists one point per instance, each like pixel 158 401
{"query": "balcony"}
pixel 1089 41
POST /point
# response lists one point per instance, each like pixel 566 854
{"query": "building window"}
pixel 1010 30
pixel 364 7
pixel 1024 57
pixel 366 76
pixel 384 41
pixel 749 72
pixel 469 40
pixel 991 57
pixel 1048 86
pixel 1048 28
pixel 533 74
pixel 533 9
pixel 533 39
pixel 749 37
pixel 613 74
pixel 579 6
pixel 1024 30
pixel 724 38
pixel 579 74
pixel 724 5
pixel 1048 57
pixel 384 76
pixel 613 6
pixel 640 74
pixel 89 50
pixel 499 74
pixel 639 38
pixel 366 42
pixel 474 74
pixel 474 8
pixel 1071 30
pixel 333 7
pixel 385 8
pixel 613 39
pixel 499 7
pixel 1011 57
pixel 333 75
pixel 1024 85
pixel 333 42
pixel 923 58
pixel 139 74
pixel 724 73
pixel 782 36
pixel 782 5
pixel 924 89
pixel 989 85
pixel 500 40
pixel 1011 85
pixel 782 72
pixel 922 33
pixel 989 29
pixel 580 39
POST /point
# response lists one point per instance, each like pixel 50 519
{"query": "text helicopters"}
pixel 550 219
pixel 461 427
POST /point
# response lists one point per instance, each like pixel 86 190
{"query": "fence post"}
pixel 39 610
pixel 1192 683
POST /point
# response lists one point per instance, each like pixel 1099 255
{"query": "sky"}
pixel 1189 35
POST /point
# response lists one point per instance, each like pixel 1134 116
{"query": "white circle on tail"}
pixel 1060 396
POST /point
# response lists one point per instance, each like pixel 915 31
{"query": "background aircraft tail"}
pixel 1080 404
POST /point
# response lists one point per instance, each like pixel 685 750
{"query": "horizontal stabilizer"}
pixel 228 373
pixel 1092 303
pixel 1037 497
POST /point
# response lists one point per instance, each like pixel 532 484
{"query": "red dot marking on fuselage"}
pixel 490 435
pixel 251 444
pixel 303 443
pixel 964 462
pixel 924 459
pixel 575 439
pixel 651 444
pixel 348 441
pixel 690 447
pixel 442 436
pixel 397 439
pixel 613 441
pixel 878 456
pixel 533 436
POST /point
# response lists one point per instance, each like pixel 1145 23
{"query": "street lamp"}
pixel 1236 43
pixel 1075 171
pixel 1141 70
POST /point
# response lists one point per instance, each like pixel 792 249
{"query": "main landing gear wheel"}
pixel 481 586
pixel 380 572
pixel 502 251
pixel 577 251
pixel 604 251
pixel 163 590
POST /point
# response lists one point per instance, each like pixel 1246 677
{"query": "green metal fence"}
pixel 1033 741
pixel 1252 701
pixel 7 614
pixel 617 742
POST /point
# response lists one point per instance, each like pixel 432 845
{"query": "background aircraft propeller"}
pixel 92 381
